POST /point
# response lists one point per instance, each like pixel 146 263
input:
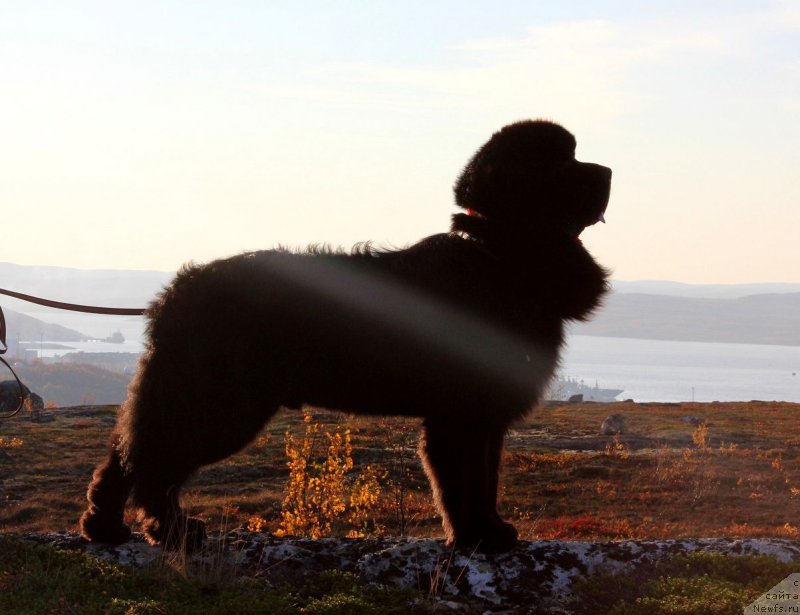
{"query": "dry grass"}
pixel 664 479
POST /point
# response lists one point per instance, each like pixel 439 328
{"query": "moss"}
pixel 333 592
pixel 678 595
pixel 42 579
pixel 685 584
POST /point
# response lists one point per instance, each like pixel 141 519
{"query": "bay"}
pixel 667 371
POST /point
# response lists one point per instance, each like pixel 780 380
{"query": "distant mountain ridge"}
pixel 648 309
pixel 753 319
pixel 29 328
pixel 707 291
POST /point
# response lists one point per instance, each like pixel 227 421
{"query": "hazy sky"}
pixel 144 134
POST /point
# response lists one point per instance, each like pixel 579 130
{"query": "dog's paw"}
pixel 188 536
pixel 185 534
pixel 493 536
pixel 96 527
pixel 500 537
pixel 195 536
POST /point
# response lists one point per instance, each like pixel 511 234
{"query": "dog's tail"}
pixel 107 495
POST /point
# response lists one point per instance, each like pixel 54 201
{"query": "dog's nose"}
pixel 597 172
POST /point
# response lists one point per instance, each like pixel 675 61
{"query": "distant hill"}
pixel 753 319
pixel 68 384
pixel 707 291
pixel 25 327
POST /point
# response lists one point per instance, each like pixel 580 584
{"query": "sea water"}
pixel 667 371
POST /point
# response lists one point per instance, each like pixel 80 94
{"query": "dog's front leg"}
pixel 462 461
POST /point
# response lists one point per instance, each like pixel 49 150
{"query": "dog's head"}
pixel 526 176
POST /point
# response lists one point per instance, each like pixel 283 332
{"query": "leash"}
pixel 72 307
pixel 22 396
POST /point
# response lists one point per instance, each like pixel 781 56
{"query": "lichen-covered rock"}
pixel 10 391
pixel 613 425
pixel 536 576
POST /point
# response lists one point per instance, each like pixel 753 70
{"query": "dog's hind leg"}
pixel 107 495
pixel 164 521
pixel 156 488
pixel 164 461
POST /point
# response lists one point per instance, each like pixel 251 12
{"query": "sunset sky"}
pixel 141 135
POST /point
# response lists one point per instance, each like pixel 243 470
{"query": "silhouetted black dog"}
pixel 462 329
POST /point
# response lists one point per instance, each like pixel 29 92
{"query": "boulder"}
pixel 613 425
pixel 9 396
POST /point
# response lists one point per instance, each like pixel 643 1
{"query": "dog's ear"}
pixel 505 176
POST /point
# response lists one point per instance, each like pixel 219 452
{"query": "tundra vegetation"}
pixel 733 473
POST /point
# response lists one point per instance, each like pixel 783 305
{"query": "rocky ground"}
pixel 539 573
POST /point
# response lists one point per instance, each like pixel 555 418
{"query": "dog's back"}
pixel 392 332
